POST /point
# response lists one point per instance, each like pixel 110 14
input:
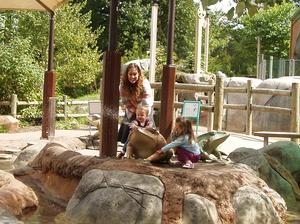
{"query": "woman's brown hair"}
pixel 133 88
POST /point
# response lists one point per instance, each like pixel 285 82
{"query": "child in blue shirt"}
pixel 183 143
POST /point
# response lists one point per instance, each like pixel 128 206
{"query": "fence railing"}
pixel 213 94
pixel 271 67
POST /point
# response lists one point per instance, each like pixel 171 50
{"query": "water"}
pixel 293 217
pixel 6 165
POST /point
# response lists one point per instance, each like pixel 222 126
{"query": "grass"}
pixel 92 96
pixel 3 129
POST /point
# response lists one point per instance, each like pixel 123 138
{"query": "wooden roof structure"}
pixel 36 5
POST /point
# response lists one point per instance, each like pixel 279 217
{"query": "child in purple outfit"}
pixel 183 143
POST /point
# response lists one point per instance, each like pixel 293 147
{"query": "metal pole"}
pixel 258 59
pixel 271 67
pixel 171 27
pixel 112 38
pixel 51 43
pixel 168 80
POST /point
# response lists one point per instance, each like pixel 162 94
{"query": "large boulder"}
pixel 279 165
pixel 254 206
pixel 9 123
pixel 112 180
pixel 16 197
pixel 32 150
pixel 198 208
pixel 111 196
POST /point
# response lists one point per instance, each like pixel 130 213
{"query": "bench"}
pixel 279 134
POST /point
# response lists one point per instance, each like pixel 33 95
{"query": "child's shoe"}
pixel 188 165
pixel 174 163
pixel 120 155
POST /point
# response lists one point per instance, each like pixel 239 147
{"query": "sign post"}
pixel 191 109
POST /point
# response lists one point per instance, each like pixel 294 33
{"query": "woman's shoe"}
pixel 120 155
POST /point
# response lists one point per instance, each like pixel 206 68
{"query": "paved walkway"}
pixel 234 141
pixel 36 135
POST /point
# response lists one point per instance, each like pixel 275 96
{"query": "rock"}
pixel 142 63
pixel 111 196
pixel 70 143
pixel 279 165
pixel 28 154
pixel 215 182
pixel 254 206
pixel 15 197
pixel 10 123
pixel 198 209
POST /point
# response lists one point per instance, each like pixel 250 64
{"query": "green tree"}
pixel 76 57
pixel 235 41
pixel 248 6
pixel 19 72
pixel 134 27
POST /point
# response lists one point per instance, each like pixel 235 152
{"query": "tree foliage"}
pixel 134 19
pixel 24 44
pixel 235 41
pixel 249 7
pixel 19 72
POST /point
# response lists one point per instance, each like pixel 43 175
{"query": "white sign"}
pixel 191 109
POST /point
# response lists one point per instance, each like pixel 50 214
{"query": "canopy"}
pixel 40 5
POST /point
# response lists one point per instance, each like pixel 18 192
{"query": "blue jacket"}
pixel 182 142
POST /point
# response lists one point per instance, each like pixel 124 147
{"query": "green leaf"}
pixel 240 8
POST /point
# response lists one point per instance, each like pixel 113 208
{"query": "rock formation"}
pixel 162 192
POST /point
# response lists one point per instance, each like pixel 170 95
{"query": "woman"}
pixel 134 90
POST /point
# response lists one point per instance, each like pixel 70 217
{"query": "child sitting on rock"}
pixel 142 120
pixel 183 143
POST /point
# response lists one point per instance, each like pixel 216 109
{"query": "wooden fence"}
pixel 215 102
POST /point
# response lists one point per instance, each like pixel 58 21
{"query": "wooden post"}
pixel 210 114
pixel 218 105
pixel 65 106
pixel 167 100
pixel 49 91
pixel 249 109
pixel 295 109
pixel 13 105
pixel 52 116
pixel 168 79
pixel 110 104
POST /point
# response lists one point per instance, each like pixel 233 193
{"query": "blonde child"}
pixel 183 143
pixel 142 120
